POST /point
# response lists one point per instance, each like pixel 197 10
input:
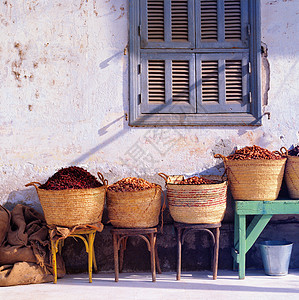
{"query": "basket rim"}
pixel 256 160
pixel 71 190
pixel 117 192
pixel 224 182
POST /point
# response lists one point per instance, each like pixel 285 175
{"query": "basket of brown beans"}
pixel 196 199
pixel 292 171
pixel 72 196
pixel 134 203
pixel 254 173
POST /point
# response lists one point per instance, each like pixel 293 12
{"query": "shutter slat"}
pixel 179 20
pixel 233 80
pixel 210 84
pixel 155 10
pixel 156 80
pixel 208 16
pixel 232 12
pixel 180 81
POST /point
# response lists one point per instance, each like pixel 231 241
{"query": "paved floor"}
pixel 133 286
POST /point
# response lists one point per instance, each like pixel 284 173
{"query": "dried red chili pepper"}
pixel 71 178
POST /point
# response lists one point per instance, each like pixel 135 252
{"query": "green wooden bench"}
pixel 245 237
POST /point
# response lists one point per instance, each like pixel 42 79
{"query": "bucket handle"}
pixel 101 177
pixel 164 176
pixel 34 183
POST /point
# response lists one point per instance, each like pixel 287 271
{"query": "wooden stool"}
pixel 87 236
pixel 183 229
pixel 120 237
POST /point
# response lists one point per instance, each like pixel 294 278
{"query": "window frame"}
pixel 154 118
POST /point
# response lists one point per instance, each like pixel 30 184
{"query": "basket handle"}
pixel 224 158
pixel 284 151
pixel 101 177
pixel 34 183
pixel 164 176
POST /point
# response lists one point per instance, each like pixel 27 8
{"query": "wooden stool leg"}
pixel 54 262
pixel 216 254
pixel 157 259
pixel 153 263
pixel 95 267
pixel 91 237
pixel 115 251
pixel 179 253
pixel 122 249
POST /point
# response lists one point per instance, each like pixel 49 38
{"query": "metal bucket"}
pixel 276 257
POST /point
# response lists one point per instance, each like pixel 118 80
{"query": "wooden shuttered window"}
pixel 167 24
pixel 194 58
pixel 168 83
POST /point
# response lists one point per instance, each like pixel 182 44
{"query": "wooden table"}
pixel 245 236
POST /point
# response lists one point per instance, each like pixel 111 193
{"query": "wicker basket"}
pixel 255 179
pixel 194 204
pixel 135 209
pixel 292 174
pixel 72 207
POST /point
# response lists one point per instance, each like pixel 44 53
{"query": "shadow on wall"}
pixel 104 64
pixel 26 197
pixel 105 143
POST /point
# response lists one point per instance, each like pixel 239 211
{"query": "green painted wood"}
pixel 236 243
pixel 242 245
pixel 263 211
pixel 255 228
pixel 276 207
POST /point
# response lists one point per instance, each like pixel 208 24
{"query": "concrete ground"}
pixel 133 286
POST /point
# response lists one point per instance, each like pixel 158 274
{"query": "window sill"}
pixel 148 120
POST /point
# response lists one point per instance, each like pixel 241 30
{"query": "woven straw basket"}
pixel 72 207
pixel 194 204
pixel 255 179
pixel 292 175
pixel 134 209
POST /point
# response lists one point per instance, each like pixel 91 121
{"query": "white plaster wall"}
pixel 64 96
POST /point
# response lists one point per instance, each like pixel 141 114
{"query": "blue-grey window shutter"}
pixel 168 83
pixel 222 85
pixel 195 62
pixel 167 24
pixel 221 24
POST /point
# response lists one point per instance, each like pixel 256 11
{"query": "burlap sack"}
pixel 25 249
pixel 4 223
pixel 23 273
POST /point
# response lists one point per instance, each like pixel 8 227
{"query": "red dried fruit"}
pixel 71 178
pixel 254 152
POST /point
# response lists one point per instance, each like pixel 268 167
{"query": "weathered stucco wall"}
pixel 64 97
pixel 64 100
